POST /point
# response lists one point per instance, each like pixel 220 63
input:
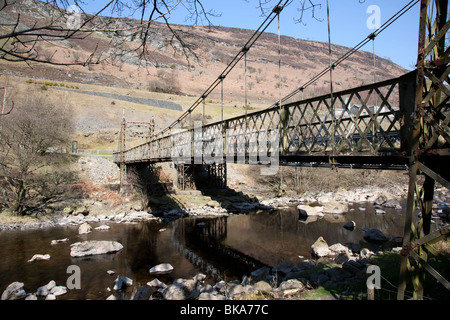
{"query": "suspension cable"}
pixel 333 112
pixel 394 18
pixel 255 36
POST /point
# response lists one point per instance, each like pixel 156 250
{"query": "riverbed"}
pixel 223 248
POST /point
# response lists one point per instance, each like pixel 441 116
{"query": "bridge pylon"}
pixel 428 149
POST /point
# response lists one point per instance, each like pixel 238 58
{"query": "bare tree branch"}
pixel 305 6
pixel 55 22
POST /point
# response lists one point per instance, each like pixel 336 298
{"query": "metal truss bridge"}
pixel 400 124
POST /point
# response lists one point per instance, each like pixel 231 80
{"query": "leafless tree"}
pixel 29 147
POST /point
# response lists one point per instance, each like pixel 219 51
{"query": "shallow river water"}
pixel 224 248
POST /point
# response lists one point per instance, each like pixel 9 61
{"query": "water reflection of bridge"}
pixel 200 241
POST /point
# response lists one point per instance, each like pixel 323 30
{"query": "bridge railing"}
pixel 369 120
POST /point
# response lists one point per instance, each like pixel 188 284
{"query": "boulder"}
pixel 236 290
pixel 84 228
pixel 305 211
pixel 342 258
pixel 351 225
pixel 352 267
pixel 284 267
pixel 291 284
pixel 338 248
pixel 366 253
pixel 94 247
pixel 143 293
pixel 320 248
pixel 306 264
pixel 260 274
pixel 58 290
pixel 262 286
pixel 161 268
pixel 334 207
pixel 156 283
pixel 445 213
pixel 374 235
pixel 392 204
pixel 45 290
pixel 338 274
pixel 14 291
pixel 380 200
pixel 183 289
pixel 122 282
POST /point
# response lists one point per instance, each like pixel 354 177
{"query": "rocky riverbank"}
pixel 311 207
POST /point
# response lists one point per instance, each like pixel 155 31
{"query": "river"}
pixel 224 248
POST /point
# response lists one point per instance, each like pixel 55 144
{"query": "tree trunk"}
pixel 17 208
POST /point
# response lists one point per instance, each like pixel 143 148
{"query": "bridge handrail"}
pixel 394 111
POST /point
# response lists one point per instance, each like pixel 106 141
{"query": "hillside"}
pixel 173 77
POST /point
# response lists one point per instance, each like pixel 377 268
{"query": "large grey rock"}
pixel 320 248
pixel 184 289
pixel 45 290
pixel 122 282
pixel 156 283
pixel 335 208
pixel 94 247
pixel 262 286
pixel 161 268
pixel 84 228
pixel 58 290
pixel 306 211
pixel 338 248
pixel 392 204
pixel 291 284
pixel 14 291
pixel 235 290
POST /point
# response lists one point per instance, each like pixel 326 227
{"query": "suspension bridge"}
pixel 396 124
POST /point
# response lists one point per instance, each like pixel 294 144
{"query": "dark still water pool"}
pixel 222 248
